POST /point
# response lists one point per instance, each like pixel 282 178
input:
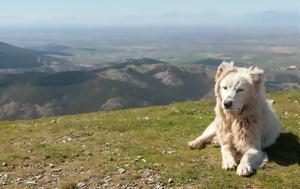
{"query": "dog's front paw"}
pixel 195 144
pixel 244 169
pixel 228 164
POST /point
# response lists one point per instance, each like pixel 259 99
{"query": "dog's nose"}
pixel 228 104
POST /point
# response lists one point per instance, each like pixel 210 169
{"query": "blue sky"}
pixel 114 12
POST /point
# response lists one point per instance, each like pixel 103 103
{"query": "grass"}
pixel 92 148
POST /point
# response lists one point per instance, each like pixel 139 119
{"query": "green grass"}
pixel 89 147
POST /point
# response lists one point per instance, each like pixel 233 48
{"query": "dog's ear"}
pixel 224 67
pixel 256 75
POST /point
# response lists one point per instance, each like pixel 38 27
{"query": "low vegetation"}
pixel 138 148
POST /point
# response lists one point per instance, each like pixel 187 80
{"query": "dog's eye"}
pixel 225 88
pixel 239 90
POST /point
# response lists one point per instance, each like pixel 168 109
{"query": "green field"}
pixel 138 148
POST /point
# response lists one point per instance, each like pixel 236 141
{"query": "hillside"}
pixel 126 84
pixel 12 57
pixel 138 148
pixel 137 84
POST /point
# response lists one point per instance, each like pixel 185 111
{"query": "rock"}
pixel 67 139
pixel 156 164
pixel 51 165
pixel 4 164
pixel 38 177
pixel 151 180
pixel 169 151
pixel 18 180
pixel 3 175
pixel 56 170
pixel 80 184
pixel 170 181
pixel 88 153
pixel 3 179
pixel 146 173
pixel 146 118
pixel 30 182
pixel 121 170
pixel 75 155
pixel 106 182
pixel 138 158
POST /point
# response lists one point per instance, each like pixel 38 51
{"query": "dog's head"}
pixel 236 86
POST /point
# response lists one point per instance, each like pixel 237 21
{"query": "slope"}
pixel 105 89
pixel 12 57
pixel 137 148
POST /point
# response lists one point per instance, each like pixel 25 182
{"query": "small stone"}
pixel 146 173
pixel 121 170
pixel 38 177
pixel 51 165
pixel 18 180
pixel 138 158
pixel 75 155
pixel 88 153
pixel 170 180
pixel 156 164
pixel 30 182
pixel 81 184
pixel 81 168
pixel 67 139
pixel 57 170
pixel 169 151
pixel 4 164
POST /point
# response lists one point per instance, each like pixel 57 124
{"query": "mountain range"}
pixel 12 57
pixel 35 94
pixel 27 91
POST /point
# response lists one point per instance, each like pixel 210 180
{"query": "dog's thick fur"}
pixel 247 127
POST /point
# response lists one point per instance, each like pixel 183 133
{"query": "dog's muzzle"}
pixel 228 104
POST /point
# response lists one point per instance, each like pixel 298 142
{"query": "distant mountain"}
pixel 133 83
pixel 275 18
pixel 12 57
pixel 282 80
pixel 133 61
pixel 272 18
pixel 34 94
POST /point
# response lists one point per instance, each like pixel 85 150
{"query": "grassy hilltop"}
pixel 138 148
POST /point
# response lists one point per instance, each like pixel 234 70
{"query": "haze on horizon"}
pixel 57 13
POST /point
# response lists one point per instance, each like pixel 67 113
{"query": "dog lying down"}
pixel 244 124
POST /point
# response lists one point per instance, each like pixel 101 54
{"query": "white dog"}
pixel 244 123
